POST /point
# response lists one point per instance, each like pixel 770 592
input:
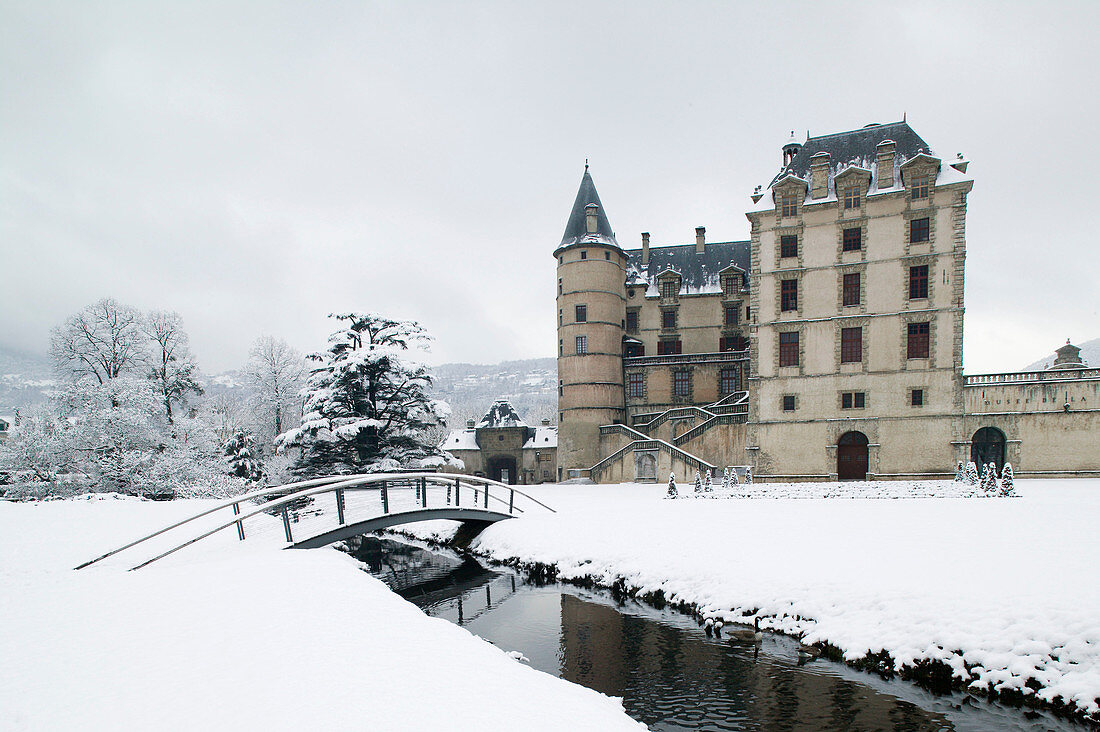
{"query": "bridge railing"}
pixel 398 494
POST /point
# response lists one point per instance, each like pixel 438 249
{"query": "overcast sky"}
pixel 256 166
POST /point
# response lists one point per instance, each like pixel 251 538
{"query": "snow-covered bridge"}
pixel 322 511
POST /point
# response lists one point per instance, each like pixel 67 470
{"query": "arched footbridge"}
pixel 315 513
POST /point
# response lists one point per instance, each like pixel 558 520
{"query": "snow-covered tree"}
pixel 672 492
pixel 365 403
pixel 172 367
pixel 971 473
pixel 240 449
pixel 1008 484
pixel 101 342
pixel 698 483
pixel 275 373
pixel 38 445
pixel 733 477
pixel 989 479
pixel 748 475
pixel 960 472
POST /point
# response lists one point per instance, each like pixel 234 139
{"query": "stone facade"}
pixel 502 447
pixel 827 346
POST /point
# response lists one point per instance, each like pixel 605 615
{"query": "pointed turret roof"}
pixel 576 228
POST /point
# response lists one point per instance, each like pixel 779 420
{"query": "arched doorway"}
pixel 988 446
pixel 503 468
pixel 851 456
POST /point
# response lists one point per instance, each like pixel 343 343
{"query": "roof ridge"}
pixel 859 129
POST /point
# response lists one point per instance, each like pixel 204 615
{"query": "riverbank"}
pixel 230 635
pixel 997 596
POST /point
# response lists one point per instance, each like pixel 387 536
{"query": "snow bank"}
pixel 230 635
pixel 1004 592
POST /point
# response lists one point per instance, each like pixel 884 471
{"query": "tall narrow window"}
pixel 669 288
pixel 851 345
pixel 788 295
pixel 582 345
pixel 732 314
pixel 788 245
pixel 851 197
pixel 918 230
pixel 788 349
pixel 681 383
pixel 918 282
pixel 635 384
pixel 668 319
pixel 727 381
pixel 916 397
pixel 788 205
pixel 584 254
pixel 581 312
pixel 631 321
pixel 853 239
pixel 918 186
pixel 916 345
pixel 851 289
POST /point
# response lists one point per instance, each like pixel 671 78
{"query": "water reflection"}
pixel 669 674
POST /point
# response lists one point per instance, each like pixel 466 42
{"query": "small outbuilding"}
pixel 504 447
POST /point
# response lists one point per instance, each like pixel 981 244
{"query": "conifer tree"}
pixel 989 479
pixel 960 472
pixel 698 482
pixel 672 492
pixel 1008 486
pixel 367 407
pixel 971 473
pixel 708 483
pixel 240 449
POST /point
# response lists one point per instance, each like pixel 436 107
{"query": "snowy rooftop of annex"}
pixel 544 437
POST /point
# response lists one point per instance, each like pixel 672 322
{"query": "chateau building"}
pixel 827 346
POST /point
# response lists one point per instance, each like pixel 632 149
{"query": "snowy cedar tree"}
pixel 748 474
pixel 672 492
pixel 971 473
pixel 1008 487
pixel 240 449
pixel 708 483
pixel 726 479
pixel 989 478
pixel 960 472
pixel 366 406
pixel 698 482
pixel 733 477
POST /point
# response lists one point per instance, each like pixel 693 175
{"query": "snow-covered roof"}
pixel 461 440
pixel 501 414
pixel 699 273
pixel 576 228
pixel 544 437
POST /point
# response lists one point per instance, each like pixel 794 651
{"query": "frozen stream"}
pixel 669 673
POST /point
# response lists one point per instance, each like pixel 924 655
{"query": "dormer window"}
pixel 788 205
pixel 670 288
pixel 918 186
pixel 851 196
pixel 731 283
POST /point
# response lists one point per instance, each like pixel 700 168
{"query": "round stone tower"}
pixel 591 324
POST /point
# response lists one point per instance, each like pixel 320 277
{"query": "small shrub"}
pixel 672 492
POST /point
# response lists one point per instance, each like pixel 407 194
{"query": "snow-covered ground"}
pixel 1002 590
pixel 230 635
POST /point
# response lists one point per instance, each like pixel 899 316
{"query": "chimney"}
pixel 469 424
pixel 645 248
pixel 819 175
pixel 545 423
pixel 757 195
pixel 590 217
pixel 700 239
pixel 790 150
pixel 885 151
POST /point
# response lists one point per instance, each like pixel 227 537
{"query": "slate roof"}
pixel 576 228
pixel 856 146
pixel 501 414
pixel 699 272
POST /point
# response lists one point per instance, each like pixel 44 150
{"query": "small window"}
pixel 635 384
pixel 788 295
pixel 788 205
pixel 851 289
pixel 851 197
pixel 581 313
pixel 748 313
pixel 559 285
pixel 668 347
pixel 917 340
pixel 669 288
pixel 727 381
pixel 853 400
pixel 918 230
pixel 732 314
pixel 918 282
pixel 582 345
pixel 668 319
pixel 916 397
pixel 584 254
pixel 788 402
pixel 788 349
pixel 853 239
pixel 788 245
pixel 851 345
pixel 918 187
pixel 631 321
pixel 607 256
pixel 681 383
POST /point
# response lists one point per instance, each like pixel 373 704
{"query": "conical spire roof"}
pixel 576 228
